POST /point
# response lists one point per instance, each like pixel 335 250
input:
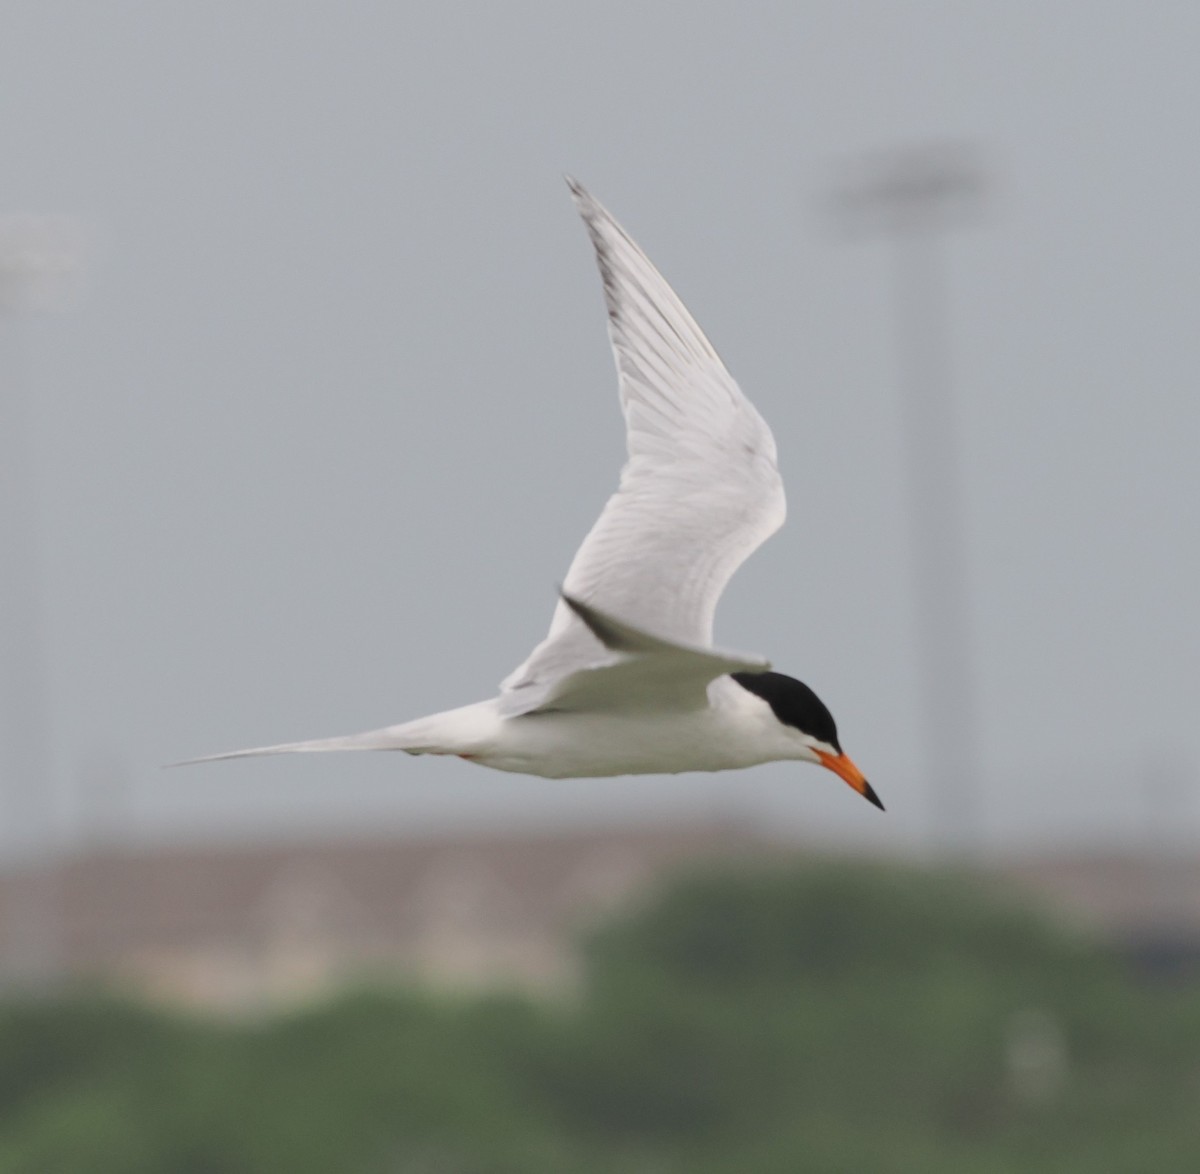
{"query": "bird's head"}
pixel 796 706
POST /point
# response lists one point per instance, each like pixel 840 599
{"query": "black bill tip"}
pixel 869 794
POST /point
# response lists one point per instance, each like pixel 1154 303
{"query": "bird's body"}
pixel 627 680
pixel 734 729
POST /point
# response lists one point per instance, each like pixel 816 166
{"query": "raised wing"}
pixel 698 494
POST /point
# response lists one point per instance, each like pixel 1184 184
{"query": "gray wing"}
pixel 698 494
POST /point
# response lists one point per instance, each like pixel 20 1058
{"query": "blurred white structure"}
pixel 1035 1055
pixel 244 929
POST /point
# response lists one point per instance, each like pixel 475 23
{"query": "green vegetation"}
pixel 829 1019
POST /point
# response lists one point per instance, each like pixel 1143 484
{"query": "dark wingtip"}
pixel 869 794
pixel 580 194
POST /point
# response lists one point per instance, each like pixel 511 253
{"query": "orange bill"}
pixel 844 768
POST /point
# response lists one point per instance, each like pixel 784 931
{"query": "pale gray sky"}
pixel 337 404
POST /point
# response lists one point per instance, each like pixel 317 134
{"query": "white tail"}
pixel 371 740
pixel 457 731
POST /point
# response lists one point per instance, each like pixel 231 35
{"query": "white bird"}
pixel 627 680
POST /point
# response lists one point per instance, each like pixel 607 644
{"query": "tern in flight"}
pixel 627 681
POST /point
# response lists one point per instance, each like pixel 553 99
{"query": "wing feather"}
pixel 644 672
pixel 700 490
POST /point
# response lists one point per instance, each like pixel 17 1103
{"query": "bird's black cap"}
pixel 793 703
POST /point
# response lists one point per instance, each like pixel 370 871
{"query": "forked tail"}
pixel 455 732
pixel 372 740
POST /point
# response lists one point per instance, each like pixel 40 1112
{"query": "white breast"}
pixel 737 730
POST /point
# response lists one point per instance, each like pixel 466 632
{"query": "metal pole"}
pixel 914 196
pixel 34 253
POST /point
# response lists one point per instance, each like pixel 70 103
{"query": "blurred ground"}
pixel 256 927
pixel 768 1018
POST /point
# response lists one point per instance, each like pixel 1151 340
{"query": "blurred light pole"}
pixel 914 196
pixel 36 254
